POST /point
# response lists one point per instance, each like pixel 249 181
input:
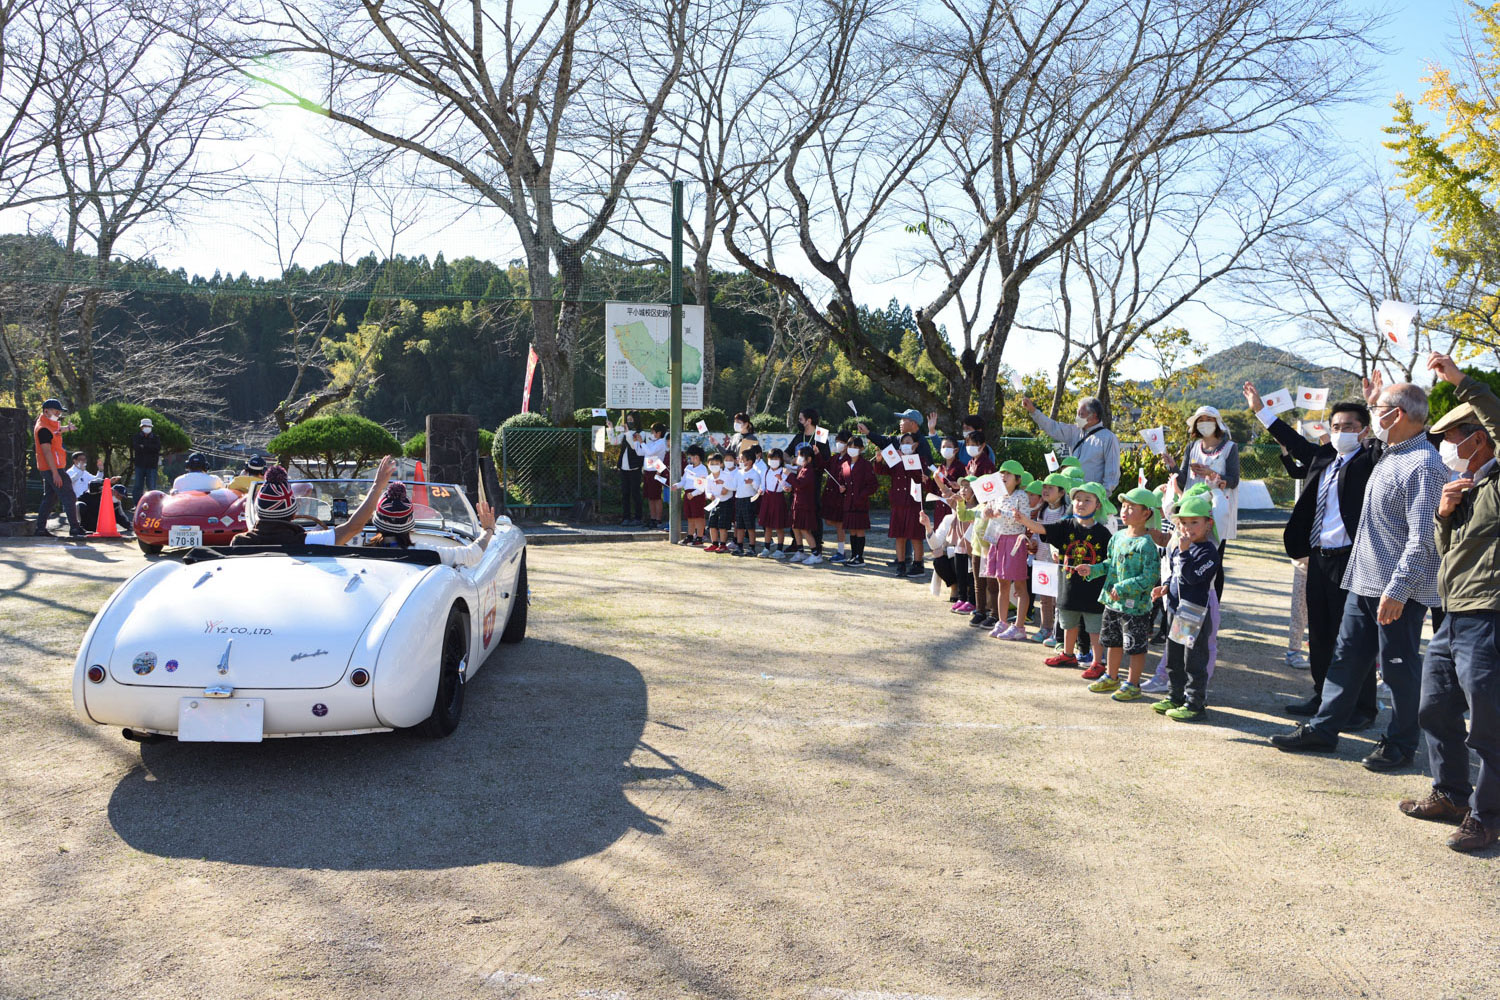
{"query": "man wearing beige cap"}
pixel 1461 672
pixel 145 457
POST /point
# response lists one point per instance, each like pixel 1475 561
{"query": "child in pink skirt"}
pixel 1006 561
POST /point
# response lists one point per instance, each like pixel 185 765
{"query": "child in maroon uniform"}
pixel 859 485
pixel 832 502
pixel 774 515
pixel 804 486
pixel 977 454
pixel 905 532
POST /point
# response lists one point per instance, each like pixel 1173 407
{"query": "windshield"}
pixel 325 503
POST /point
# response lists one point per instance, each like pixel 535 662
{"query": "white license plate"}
pixel 185 536
pixel 221 720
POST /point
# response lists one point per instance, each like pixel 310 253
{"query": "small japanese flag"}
pixel 1278 402
pixel 702 427
pixel 1309 398
pixel 916 491
pixel 892 455
pixel 655 464
pixel 1140 478
pixel 912 462
pixel 1044 579
pixel 1052 463
pixel 1394 321
pixel 822 435
pixel 852 409
pixel 1156 439
pixel 599 411
pixel 989 487
pixel 662 480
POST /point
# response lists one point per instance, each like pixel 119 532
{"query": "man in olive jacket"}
pixel 1462 669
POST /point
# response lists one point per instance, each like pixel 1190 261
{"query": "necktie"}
pixel 1325 487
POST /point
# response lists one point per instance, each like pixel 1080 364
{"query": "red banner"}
pixel 530 374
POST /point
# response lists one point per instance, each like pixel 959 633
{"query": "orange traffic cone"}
pixel 106 527
pixel 419 493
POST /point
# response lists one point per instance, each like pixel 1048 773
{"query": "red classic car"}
pixel 187 519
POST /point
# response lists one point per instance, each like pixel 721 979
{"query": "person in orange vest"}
pixel 52 463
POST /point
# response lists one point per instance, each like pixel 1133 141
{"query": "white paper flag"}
pixel 1394 320
pixel 1309 398
pixel 916 491
pixel 601 441
pixel 1156 439
pixel 1278 402
pixel 822 435
pixel 892 455
pixel 852 409
pixel 702 427
pixel 1140 478
pixel 1044 579
pixel 655 465
pixel 1317 428
pixel 1052 463
pixel 599 411
pixel 662 480
pixel 912 462
pixel 990 487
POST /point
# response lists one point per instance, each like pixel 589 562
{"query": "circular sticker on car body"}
pixel 144 664
pixel 170 666
pixel 320 710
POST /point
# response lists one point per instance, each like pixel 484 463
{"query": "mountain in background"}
pixel 1269 368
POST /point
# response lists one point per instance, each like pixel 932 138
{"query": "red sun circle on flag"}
pixel 1307 395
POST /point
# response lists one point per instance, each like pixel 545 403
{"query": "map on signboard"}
pixel 637 355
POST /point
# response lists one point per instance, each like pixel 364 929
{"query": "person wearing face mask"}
pixel 653 446
pixel 744 434
pixel 1096 447
pixel 1461 673
pixel 626 437
pixel 859 486
pixel 145 458
pixel 831 501
pixel 808 420
pixel 1321 530
pixel 1212 457
pixel 909 422
pixel 804 488
pixel 905 530
pixel 1392 581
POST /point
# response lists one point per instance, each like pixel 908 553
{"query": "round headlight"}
pixel 96 674
pixel 359 677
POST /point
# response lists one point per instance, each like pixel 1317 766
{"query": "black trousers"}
pixel 1325 613
pixel 631 500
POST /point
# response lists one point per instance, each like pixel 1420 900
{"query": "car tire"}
pixel 515 625
pixel 448 706
pixel 147 547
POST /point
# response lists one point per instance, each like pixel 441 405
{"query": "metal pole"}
pixel 674 466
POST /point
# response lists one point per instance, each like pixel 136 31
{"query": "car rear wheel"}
pixel 448 706
pixel 515 625
pixel 148 548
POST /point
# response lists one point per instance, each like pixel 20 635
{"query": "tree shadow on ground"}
pixel 535 775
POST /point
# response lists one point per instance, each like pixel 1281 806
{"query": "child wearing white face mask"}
pixel 905 529
pixel 834 487
pixel 977 454
pixel 804 486
pixel 774 516
pixel 1212 457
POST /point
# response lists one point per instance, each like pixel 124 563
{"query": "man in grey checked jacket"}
pixel 1392 581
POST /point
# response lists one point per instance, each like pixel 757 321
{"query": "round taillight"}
pixel 96 674
pixel 359 677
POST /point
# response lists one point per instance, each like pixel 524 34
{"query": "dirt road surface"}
pixel 714 777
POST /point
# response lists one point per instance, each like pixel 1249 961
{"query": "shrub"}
pixel 537 462
pixel 1030 452
pixel 1131 463
pixel 104 430
pixel 714 417
pixel 330 440
pixel 769 423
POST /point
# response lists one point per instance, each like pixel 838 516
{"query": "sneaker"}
pixel 797 557
pixel 855 561
pixel 954 606
pixel 779 555
pixel 1086 657
pixel 838 557
pixel 1094 672
pixel 767 554
pixel 1187 713
pixel 963 608
pixel 1042 635
pixel 1061 660
pixel 1017 633
pixel 1127 692
pixel 1165 705
pixel 1297 661
pixel 990 621
pixel 1001 631
pixel 903 568
pixel 1154 686
pixel 916 572
pixel 710 547
pixel 813 559
pixel 1052 640
pixel 1104 685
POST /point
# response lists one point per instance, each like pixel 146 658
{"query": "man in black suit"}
pixel 1321 530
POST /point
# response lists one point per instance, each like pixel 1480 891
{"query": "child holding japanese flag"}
pixel 718 487
pixel 986 588
pixel 804 489
pixel 774 516
pixel 1054 507
pixel 1132 570
pixel 1081 541
pixel 694 497
pixel 905 529
pixel 859 486
pixel 1006 560
pixel 1195 558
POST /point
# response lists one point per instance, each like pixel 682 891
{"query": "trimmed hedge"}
pixel 104 430
pixel 416 447
pixel 715 418
pixel 339 437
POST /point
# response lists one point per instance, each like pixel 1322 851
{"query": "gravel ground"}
pixel 706 776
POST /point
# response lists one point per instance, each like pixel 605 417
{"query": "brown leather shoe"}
pixel 1473 835
pixel 1435 806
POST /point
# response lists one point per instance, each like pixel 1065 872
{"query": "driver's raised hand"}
pixel 486 516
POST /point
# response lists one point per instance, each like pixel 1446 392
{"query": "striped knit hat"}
pixel 274 500
pixel 394 514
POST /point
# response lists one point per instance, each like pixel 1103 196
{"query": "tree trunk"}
pixel 1101 389
pixel 799 385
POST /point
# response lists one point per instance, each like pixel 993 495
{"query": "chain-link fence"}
pixel 543 468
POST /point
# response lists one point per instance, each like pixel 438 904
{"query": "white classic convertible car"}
pixel 240 644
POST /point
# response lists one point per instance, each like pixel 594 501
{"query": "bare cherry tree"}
pixel 543 114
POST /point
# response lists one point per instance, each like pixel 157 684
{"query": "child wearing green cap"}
pixel 1006 559
pixel 1052 509
pixel 1132 572
pixel 1081 541
pixel 1195 563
